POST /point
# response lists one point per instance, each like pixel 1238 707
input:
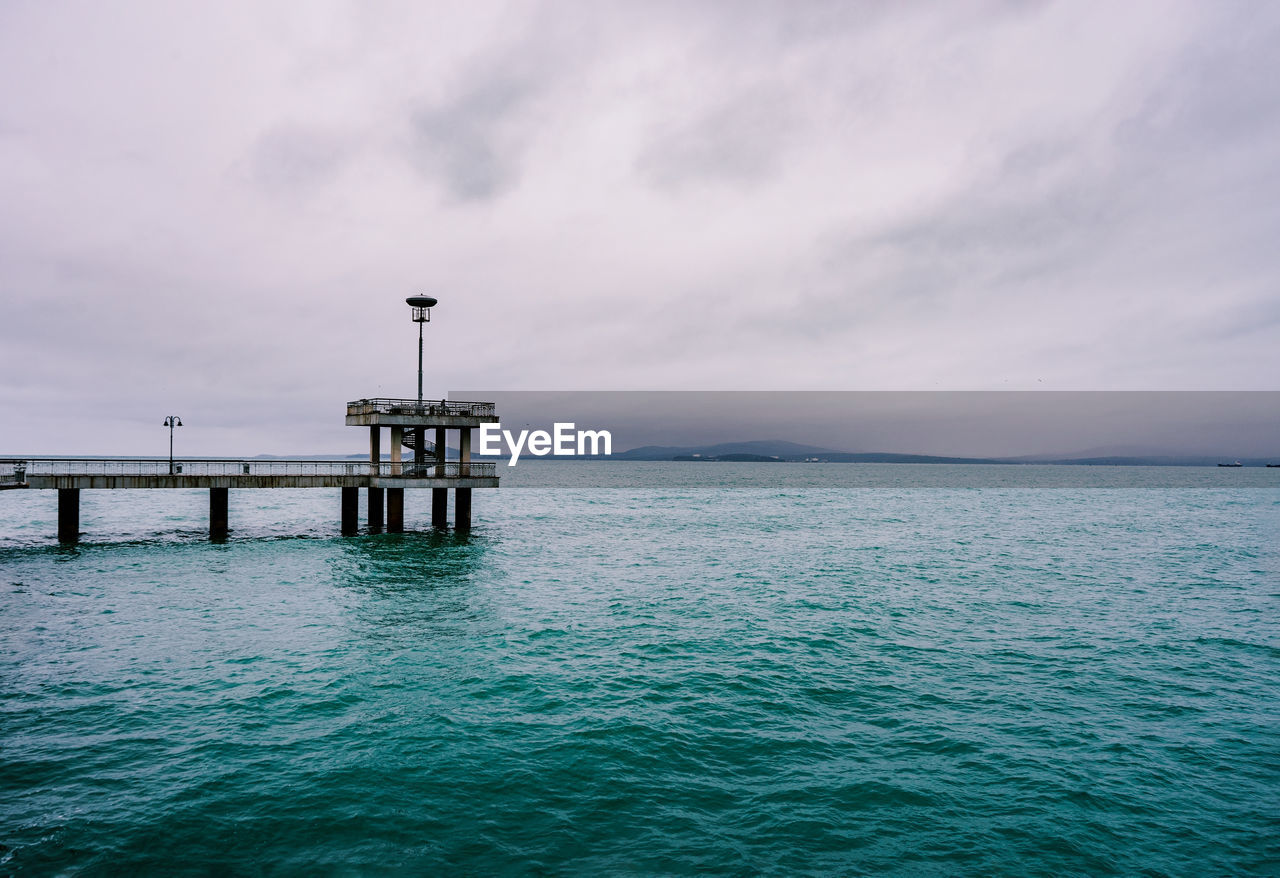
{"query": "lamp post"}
pixel 172 421
pixel 421 306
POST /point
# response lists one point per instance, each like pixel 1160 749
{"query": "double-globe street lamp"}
pixel 172 421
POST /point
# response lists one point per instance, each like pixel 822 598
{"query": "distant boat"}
pixel 1273 466
pixel 1237 463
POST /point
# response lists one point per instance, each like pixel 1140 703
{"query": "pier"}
pixel 422 426
pixel 408 422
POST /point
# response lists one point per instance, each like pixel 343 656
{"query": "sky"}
pixel 217 210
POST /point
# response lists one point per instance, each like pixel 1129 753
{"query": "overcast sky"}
pixel 216 210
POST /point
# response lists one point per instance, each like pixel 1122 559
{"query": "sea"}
pixel 654 669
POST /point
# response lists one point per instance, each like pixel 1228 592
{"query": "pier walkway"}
pixel 96 473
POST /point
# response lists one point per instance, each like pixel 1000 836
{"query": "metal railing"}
pixel 88 466
pixel 426 408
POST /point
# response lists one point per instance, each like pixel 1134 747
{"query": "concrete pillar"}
pixel 440 496
pixel 419 449
pixel 395 510
pixel 350 510
pixel 462 509
pixel 440 507
pixel 375 470
pixel 395 496
pixel 68 515
pixel 375 509
pixel 462 496
pixel 218 513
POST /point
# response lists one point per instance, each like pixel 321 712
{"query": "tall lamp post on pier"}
pixel 172 421
pixel 421 306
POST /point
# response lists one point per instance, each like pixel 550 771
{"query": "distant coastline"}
pixel 762 452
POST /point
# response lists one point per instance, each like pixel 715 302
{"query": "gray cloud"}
pixel 292 158
pixel 739 141
pixel 472 137
pixel 472 143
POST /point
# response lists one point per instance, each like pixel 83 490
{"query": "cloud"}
pixel 471 144
pixel 290 158
pixel 472 137
pixel 741 140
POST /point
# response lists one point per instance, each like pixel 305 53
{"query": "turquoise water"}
pixel 654 669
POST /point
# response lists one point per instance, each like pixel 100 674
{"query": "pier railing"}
pixel 13 472
pixel 16 471
pixel 426 408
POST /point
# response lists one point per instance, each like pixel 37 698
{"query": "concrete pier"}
pixel 408 420
pixel 68 515
pixel 218 513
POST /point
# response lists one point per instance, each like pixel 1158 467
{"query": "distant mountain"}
pixel 790 451
pixel 728 458
pixel 768 448
pixel 1163 460
pixel 778 449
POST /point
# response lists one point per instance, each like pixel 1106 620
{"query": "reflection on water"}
pixel 407 586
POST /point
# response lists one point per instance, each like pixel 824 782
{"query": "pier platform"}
pixel 447 414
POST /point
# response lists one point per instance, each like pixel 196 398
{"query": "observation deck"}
pixel 449 414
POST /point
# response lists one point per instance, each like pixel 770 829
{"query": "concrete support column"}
pixel 440 496
pixel 462 509
pixel 462 496
pixel 375 509
pixel 419 450
pixel 218 513
pixel 395 510
pixel 397 440
pixel 375 467
pixel 68 515
pixel 440 507
pixel 350 510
